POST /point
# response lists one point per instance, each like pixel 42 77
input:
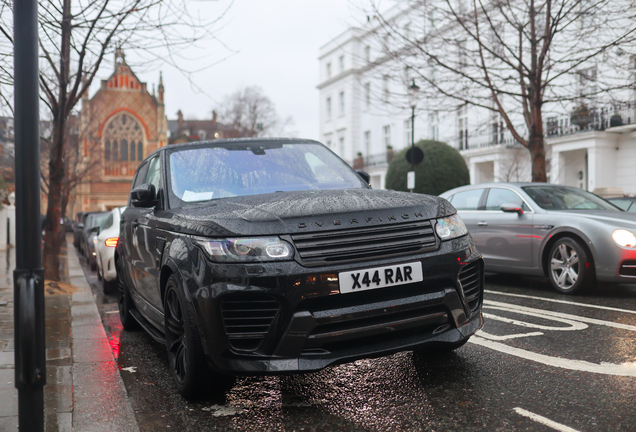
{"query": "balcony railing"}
pixel 379 160
pixel 583 120
pixel 591 119
pixel 496 137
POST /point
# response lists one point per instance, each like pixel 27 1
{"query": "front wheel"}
pixel 571 269
pixel 192 376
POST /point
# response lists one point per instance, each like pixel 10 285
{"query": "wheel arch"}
pixel 581 238
pixel 167 270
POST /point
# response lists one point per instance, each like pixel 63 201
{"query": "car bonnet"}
pixel 306 211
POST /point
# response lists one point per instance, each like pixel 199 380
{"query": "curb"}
pixel 100 400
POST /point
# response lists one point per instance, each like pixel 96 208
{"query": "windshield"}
pixel 566 198
pixel 207 173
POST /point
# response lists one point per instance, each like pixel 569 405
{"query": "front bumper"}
pixel 274 324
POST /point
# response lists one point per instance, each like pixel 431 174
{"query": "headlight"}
pixel 624 238
pixel 450 227
pixel 247 249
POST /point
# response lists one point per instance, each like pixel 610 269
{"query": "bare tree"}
pixel 252 114
pixel 513 167
pixel 512 58
pixel 76 39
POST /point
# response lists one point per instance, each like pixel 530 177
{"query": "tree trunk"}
pixel 52 233
pixel 536 142
pixel 536 146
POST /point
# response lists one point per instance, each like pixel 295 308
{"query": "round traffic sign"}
pixel 414 155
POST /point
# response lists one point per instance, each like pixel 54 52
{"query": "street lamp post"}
pixel 413 93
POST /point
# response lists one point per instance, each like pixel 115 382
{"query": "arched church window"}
pixel 123 150
pixel 140 151
pixel 122 132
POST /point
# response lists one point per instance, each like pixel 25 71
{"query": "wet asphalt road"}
pixel 542 362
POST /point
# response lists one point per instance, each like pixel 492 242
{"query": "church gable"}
pixel 124 79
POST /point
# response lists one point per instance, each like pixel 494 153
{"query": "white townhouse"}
pixel 365 113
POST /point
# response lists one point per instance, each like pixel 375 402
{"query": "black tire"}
pixel 124 300
pixel 571 269
pixel 440 350
pixel 93 264
pixel 109 286
pixel 99 273
pixel 192 376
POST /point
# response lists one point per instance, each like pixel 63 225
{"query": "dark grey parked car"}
pixel 567 234
pixel 91 229
pixel 268 256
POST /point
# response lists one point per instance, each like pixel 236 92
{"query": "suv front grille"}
pixel 470 280
pixel 247 319
pixel 356 244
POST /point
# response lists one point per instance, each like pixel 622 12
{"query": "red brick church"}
pixel 120 125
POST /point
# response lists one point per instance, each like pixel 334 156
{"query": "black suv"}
pixel 262 256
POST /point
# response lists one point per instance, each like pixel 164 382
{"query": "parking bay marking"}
pixel 623 369
pixel 561 301
pixel 551 314
pixel 544 421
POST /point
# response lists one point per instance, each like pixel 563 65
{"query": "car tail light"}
pixel 112 242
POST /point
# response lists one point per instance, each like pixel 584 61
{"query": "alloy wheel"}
pixel 175 336
pixel 564 266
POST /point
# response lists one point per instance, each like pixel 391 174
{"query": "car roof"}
pixel 229 141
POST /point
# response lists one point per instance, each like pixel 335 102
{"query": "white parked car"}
pixel 105 244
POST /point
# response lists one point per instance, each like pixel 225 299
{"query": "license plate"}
pixel 380 277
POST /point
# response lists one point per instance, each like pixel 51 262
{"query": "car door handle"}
pixel 482 223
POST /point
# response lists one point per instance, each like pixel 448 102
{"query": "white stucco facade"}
pixel 365 115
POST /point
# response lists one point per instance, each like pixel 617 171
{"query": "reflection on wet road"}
pixel 543 361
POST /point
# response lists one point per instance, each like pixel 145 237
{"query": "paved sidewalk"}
pixel 84 390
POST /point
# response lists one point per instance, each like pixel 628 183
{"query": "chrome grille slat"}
pixel 352 244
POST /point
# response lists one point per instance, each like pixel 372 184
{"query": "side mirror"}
pixel 511 208
pixel 144 196
pixel 94 229
pixel 80 226
pixel 365 176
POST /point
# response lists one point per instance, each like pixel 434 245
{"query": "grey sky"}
pixel 278 43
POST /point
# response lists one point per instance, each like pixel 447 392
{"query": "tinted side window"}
pixel 153 175
pixel 109 222
pixel 467 200
pixel 141 175
pixel 623 204
pixel 497 197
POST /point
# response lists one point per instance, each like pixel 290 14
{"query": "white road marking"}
pixel 506 337
pixel 544 421
pixel 517 308
pixel 623 369
pixel 562 301
pixel 574 325
pixel 223 410
pixel 131 369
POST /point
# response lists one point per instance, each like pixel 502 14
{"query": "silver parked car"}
pixel 567 234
